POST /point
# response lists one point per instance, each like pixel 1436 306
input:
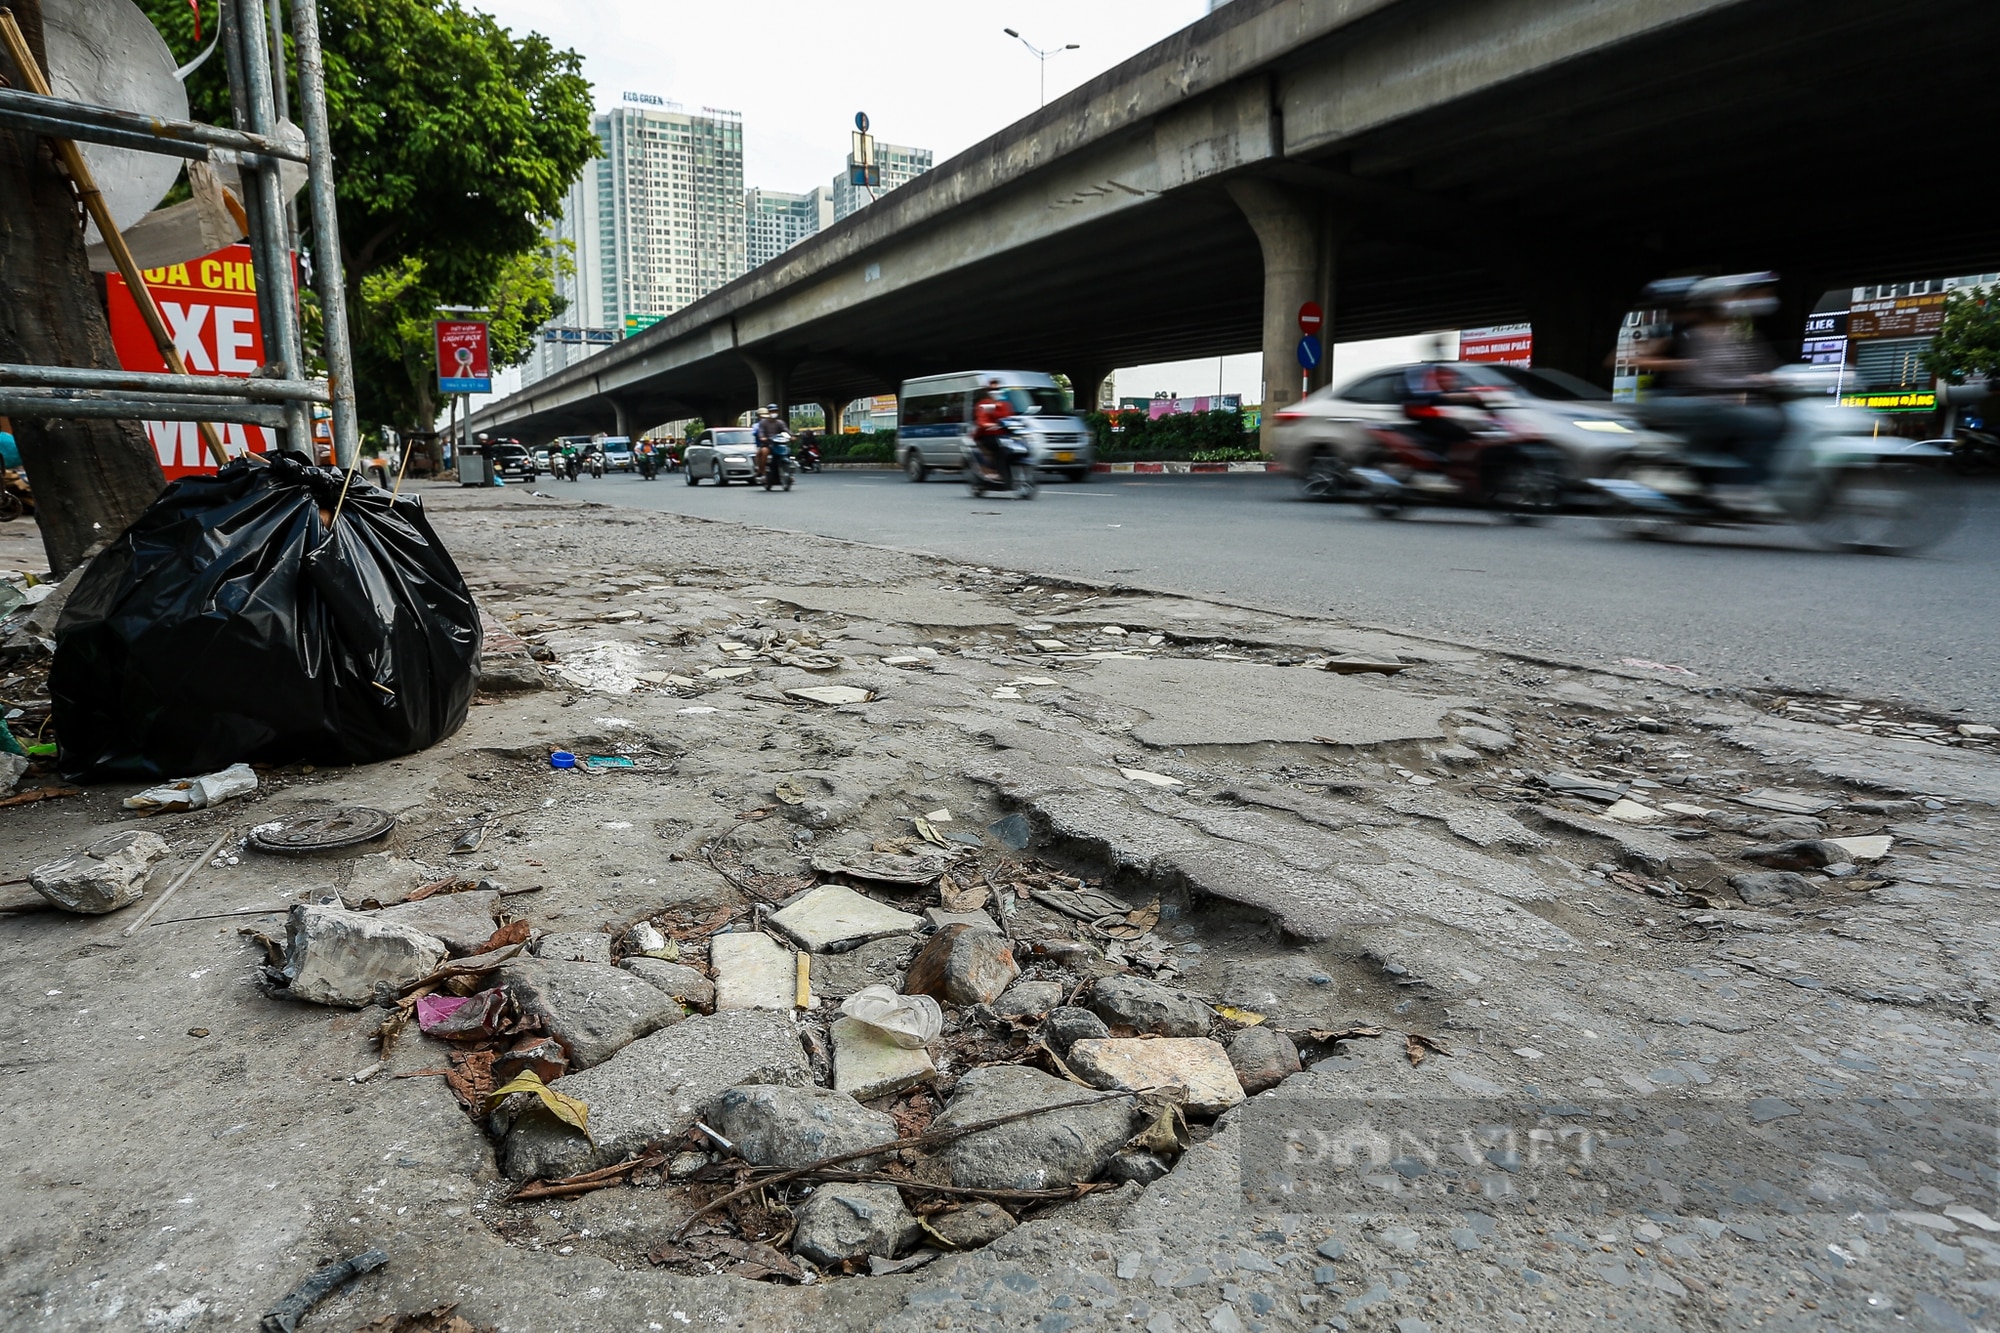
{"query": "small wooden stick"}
pixel 175 887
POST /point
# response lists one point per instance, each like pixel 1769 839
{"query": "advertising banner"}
pixel 1502 344
pixel 463 363
pixel 210 308
pixel 1896 317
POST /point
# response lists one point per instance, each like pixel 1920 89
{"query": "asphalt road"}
pixel 1757 607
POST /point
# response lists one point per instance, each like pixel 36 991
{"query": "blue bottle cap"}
pixel 562 759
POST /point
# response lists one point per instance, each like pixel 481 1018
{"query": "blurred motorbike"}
pixel 1466 452
pixel 780 469
pixel 1831 474
pixel 809 457
pixel 16 500
pixel 1013 472
pixel 647 467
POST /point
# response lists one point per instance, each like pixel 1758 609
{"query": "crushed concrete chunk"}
pixel 108 874
pixel 464 921
pixel 337 957
pixel 834 917
pixel 1040 1152
pixel 676 979
pixel 962 965
pixel 582 946
pixel 1132 1064
pixel 593 1011
pixel 752 971
pixel 776 1125
pixel 867 1064
pixel 848 1221
pixel 1146 1006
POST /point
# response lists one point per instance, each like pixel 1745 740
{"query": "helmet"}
pixel 772 408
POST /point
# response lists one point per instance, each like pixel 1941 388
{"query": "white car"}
pixel 723 455
pixel 1580 420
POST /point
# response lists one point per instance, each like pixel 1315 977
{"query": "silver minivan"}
pixel 935 422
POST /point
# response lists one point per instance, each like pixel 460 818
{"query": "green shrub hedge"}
pixel 1183 435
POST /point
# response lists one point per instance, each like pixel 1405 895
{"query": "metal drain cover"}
pixel 349 827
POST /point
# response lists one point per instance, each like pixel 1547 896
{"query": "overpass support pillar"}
pixel 771 376
pixel 621 415
pixel 829 412
pixel 1085 388
pixel 1298 244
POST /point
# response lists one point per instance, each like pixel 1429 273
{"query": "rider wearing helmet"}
pixel 770 427
pixel 1711 380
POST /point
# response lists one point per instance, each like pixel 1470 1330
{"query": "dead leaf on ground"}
pixel 957 898
pixel 514 932
pixel 439 1320
pixel 1416 1045
pixel 449 884
pixel 1343 1034
pixel 567 1109
pixel 470 1079
pixel 392 1028
pixel 738 1258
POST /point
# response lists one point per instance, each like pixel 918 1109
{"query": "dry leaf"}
pixel 1167 1133
pixel 1249 1018
pixel 790 792
pixel 1343 1034
pixel 1416 1046
pixel 440 1320
pixel 1145 918
pixel 929 834
pixel 957 898
pixel 392 1028
pixel 569 1110
pixel 514 932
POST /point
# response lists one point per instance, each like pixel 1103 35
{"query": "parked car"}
pixel 1590 432
pixel 512 460
pixel 936 421
pixel 723 455
pixel 618 454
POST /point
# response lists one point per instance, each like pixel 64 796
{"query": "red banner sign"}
pixel 1503 344
pixel 463 363
pixel 210 308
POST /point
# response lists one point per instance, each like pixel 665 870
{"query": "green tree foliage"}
pixel 1969 343
pixel 453 140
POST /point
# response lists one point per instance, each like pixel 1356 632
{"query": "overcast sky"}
pixel 936 74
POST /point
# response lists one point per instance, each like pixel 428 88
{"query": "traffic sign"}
pixel 861 121
pixel 1309 351
pixel 1311 317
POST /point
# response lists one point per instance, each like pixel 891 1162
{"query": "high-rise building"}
pixel 669 208
pixel 774 221
pixel 899 166
pixel 581 328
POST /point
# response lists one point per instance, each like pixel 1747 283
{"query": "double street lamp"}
pixel 1042 57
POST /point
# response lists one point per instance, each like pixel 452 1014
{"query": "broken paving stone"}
pixel 1051 1151
pixel 1134 1064
pixel 1764 887
pixel 1028 999
pixel 676 979
pixel 752 971
pixel 1067 1025
pixel 593 1011
pixel 464 921
pixel 1149 778
pixel 1487 739
pixel 1628 811
pixel 834 918
pixel 1139 1168
pixel 645 938
pixel 962 965
pixel 1785 801
pixel 848 1221
pixel 581 946
pixel 972 1226
pixel 1147 1006
pixel 938 919
pixel 1872 847
pixel 832 695
pixel 775 1125
pixel 108 874
pixel 883 867
pixel 1263 1058
pixel 867 1064
pixel 655 1090
pixel 1812 855
pixel 337 957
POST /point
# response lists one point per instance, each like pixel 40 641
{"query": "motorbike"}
pixel 1014 472
pixel 570 467
pixel 780 468
pixel 16 500
pixel 809 457
pixel 1845 486
pixel 647 468
pixel 1465 454
pixel 597 466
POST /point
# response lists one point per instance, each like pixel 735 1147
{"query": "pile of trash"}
pixel 900 1059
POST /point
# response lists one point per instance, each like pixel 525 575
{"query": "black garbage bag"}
pixel 228 625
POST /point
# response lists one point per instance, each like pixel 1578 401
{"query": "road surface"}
pixel 1756 607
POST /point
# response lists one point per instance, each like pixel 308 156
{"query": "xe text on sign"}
pixel 210 308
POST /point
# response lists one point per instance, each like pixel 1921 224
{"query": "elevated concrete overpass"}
pixel 1411 164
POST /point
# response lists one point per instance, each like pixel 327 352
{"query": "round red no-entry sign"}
pixel 1311 317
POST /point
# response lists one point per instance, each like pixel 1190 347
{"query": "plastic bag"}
pixel 228 625
pixel 909 1021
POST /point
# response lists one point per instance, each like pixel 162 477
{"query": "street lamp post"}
pixel 1041 57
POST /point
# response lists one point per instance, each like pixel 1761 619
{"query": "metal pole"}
pixel 268 231
pixel 223 386
pixel 282 103
pixel 328 274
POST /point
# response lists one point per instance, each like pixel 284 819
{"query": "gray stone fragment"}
pixel 1147 1006
pixel 1263 1058
pixel 1487 739
pixel 939 918
pixel 1141 1168
pixel 1785 827
pixel 974 1225
pixel 510 674
pixel 841 1222
pixel 1028 999
pixel 464 921
pixel 593 1011
pixel 108 874
pixel 339 957
pixel 676 979
pixel 581 946
pixel 655 1089
pixel 773 1125
pixel 962 965
pixel 1040 1152
pixel 1067 1025
pixel 1763 887
pixel 1795 855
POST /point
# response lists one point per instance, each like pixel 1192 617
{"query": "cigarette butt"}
pixel 805 996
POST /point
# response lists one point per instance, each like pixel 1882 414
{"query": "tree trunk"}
pixel 91 478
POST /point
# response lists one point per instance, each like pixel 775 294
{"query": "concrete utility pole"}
pixel 1042 56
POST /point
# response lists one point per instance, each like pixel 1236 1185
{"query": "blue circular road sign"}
pixel 1309 351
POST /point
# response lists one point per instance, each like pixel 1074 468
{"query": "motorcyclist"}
pixel 569 462
pixel 989 424
pixel 769 429
pixel 645 452
pixel 1712 371
pixel 1442 409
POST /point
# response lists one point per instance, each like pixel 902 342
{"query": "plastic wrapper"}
pixel 910 1021
pixel 238 620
